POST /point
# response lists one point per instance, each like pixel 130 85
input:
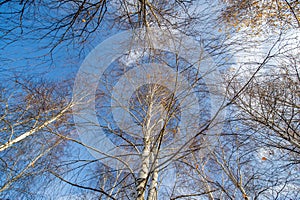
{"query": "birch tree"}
pixel 32 114
pixel 72 23
pixel 258 15
pixel 155 125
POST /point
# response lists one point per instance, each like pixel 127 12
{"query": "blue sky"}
pixel 29 57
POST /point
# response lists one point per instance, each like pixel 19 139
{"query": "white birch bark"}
pixel 152 195
pixel 143 174
pixel 34 130
pixel 31 164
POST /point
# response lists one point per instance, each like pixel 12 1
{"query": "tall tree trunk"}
pixel 144 171
pixel 153 186
pixel 142 178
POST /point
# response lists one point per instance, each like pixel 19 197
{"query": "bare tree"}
pixel 154 125
pixel 33 115
pixel 74 22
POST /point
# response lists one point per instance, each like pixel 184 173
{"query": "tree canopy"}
pixel 144 99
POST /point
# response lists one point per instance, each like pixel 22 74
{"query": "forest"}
pixel 150 99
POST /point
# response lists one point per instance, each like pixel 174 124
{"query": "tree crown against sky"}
pixel 256 153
